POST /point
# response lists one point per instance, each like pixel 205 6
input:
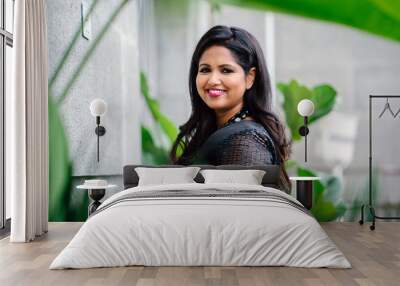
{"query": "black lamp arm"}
pixel 303 130
pixel 100 131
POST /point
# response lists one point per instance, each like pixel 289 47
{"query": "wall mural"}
pixel 66 204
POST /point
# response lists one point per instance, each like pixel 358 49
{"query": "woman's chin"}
pixel 216 107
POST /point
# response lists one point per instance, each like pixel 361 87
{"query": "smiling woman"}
pixel 221 82
pixel 231 120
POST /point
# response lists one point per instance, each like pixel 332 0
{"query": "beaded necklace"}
pixel 242 114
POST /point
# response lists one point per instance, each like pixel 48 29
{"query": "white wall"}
pixel 112 74
pixel 356 64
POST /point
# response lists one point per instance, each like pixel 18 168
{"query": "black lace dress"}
pixel 241 143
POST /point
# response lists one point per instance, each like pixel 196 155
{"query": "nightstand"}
pixel 304 190
pixel 96 193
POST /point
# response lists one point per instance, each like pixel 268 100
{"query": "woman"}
pixel 231 120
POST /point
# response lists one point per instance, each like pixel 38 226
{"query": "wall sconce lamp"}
pixel 98 107
pixel 305 108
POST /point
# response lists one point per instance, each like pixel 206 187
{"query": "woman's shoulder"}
pixel 250 123
pixel 244 142
pixel 247 132
pixel 245 129
pixel 248 127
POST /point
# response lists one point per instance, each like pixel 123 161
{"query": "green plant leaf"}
pixel 78 205
pixel 152 154
pixel 332 183
pixel 390 7
pixel 326 195
pixel 380 17
pixel 324 99
pixel 289 164
pixel 292 94
pixel 165 123
pixel 327 211
pixel 147 139
pixel 60 167
pixel 323 96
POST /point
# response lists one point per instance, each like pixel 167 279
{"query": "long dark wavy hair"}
pixel 202 122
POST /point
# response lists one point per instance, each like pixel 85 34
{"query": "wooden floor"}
pixel 375 257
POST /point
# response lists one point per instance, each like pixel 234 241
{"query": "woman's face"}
pixel 221 82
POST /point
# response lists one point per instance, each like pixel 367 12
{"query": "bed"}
pixel 201 224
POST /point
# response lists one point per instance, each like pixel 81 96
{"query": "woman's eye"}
pixel 226 70
pixel 204 70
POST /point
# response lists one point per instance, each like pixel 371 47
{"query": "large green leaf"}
pixel 326 205
pixel 60 167
pixel 152 154
pixel 323 97
pixel 78 204
pixel 165 123
pixel 390 7
pixel 380 17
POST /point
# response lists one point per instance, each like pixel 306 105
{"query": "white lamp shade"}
pixel 98 107
pixel 305 107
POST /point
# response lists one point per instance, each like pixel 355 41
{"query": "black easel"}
pixel 370 206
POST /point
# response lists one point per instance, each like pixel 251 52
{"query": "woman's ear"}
pixel 251 75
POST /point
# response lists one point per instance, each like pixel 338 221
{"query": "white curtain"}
pixel 28 123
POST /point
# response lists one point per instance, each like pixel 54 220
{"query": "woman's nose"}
pixel 214 79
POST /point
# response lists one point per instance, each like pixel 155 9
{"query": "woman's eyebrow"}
pixel 226 66
pixel 221 66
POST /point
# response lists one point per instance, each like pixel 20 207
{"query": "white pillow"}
pixel 163 176
pixel 249 177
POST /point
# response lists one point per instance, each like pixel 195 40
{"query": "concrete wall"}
pixel 111 74
pixel 356 64
pixel 175 39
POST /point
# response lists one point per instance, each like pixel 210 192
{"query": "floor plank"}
pixel 374 255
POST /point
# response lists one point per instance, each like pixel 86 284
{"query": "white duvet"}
pixel 185 231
